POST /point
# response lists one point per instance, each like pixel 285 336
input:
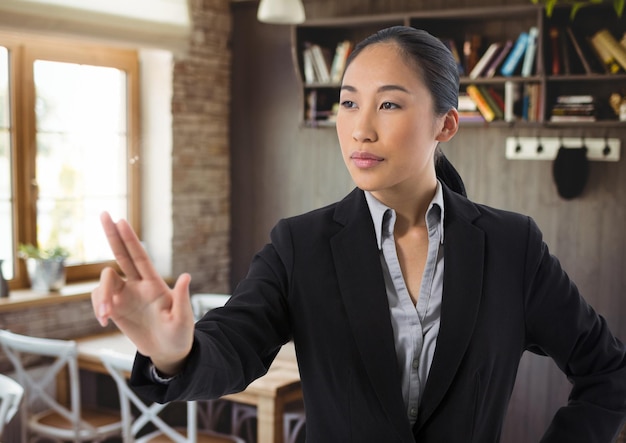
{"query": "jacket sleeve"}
pixel 561 324
pixel 235 344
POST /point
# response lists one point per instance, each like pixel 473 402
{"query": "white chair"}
pixel 11 393
pixel 202 303
pixel 119 366
pixel 294 420
pixel 209 411
pixel 58 422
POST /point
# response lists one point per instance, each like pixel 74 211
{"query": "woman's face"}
pixel 386 124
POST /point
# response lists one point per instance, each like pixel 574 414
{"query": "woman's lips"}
pixel 365 160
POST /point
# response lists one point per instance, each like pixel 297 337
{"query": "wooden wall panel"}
pixel 281 169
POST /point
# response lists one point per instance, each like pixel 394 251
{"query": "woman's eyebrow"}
pixel 381 89
pixel 392 88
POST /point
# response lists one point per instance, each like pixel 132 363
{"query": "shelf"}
pixel 492 24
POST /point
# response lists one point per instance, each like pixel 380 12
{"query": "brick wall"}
pixel 201 152
pixel 200 178
pixel 67 320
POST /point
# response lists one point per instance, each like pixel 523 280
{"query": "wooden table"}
pixel 270 393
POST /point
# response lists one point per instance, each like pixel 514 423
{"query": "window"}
pixel 68 149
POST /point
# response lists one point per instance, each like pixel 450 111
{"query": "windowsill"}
pixel 26 298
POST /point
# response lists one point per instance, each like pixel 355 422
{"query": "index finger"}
pixel 119 247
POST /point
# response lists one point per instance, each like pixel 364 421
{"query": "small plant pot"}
pixel 46 274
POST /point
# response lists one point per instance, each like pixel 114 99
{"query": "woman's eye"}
pixel 348 104
pixel 388 105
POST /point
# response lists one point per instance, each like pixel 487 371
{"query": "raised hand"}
pixel 159 320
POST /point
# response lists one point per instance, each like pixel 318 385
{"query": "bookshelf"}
pixel 529 92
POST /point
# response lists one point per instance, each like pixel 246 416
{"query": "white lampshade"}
pixel 281 11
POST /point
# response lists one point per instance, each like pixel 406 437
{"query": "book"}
pixel 511 99
pixel 320 64
pixel 451 45
pixel 515 56
pixel 583 98
pixel 498 112
pixel 308 69
pixel 564 52
pixel 485 59
pixel 471 47
pixel 611 45
pixel 481 103
pixel 530 52
pixel 497 61
pixel 497 97
pixel 555 50
pixel 579 51
pixel 466 103
pixel 605 58
pixel 574 108
pixel 339 60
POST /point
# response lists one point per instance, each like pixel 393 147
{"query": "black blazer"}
pixel 320 282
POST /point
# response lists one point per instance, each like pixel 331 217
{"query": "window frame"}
pixel 24 49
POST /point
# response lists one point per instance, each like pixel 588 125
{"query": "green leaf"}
pixel 619 7
pixel 575 7
pixel 550 7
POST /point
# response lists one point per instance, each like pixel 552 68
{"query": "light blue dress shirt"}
pixel 415 327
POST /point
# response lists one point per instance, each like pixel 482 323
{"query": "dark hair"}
pixel 438 69
pixel 433 61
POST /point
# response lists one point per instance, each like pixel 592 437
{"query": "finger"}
pixel 138 255
pixel 101 297
pixel 118 246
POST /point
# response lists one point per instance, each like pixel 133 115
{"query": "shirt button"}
pixel 413 412
pixel 416 364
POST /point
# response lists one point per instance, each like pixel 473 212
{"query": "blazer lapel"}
pixel 363 291
pixel 462 288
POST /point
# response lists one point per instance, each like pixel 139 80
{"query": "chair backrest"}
pixel 37 386
pixel 119 366
pixel 202 303
pixel 11 393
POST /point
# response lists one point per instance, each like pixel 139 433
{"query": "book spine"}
pixel 320 63
pixel 498 112
pixel 564 54
pixel 579 51
pixel 481 103
pixel 612 46
pixel 488 56
pixel 554 47
pixel 511 62
pixel 307 62
pixel 339 61
pixel 511 95
pixel 531 50
pixel 493 67
pixel 470 51
pixel 604 55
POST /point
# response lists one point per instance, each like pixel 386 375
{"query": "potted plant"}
pixel 46 267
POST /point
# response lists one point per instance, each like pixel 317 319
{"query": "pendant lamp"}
pixel 281 11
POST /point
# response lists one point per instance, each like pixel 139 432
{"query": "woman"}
pixel 409 305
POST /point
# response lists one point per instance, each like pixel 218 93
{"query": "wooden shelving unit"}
pixel 492 24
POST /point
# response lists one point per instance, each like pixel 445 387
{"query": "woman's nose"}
pixel 364 128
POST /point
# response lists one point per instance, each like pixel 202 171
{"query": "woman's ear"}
pixel 450 126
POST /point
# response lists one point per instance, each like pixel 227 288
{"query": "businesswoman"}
pixel 409 305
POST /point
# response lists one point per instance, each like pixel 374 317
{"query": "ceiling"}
pixel 155 23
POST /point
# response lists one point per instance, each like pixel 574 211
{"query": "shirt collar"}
pixel 434 214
